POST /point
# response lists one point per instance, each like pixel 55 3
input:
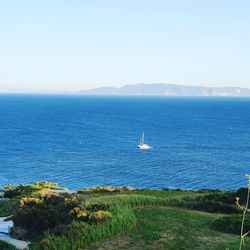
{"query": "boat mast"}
pixel 142 138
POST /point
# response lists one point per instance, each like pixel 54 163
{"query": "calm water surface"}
pixel 90 141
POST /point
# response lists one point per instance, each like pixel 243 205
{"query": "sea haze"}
pixel 83 141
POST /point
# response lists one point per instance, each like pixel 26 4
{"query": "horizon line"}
pixel 75 92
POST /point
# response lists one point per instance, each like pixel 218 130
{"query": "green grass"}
pixel 142 219
pixel 5 246
pixel 172 229
pixel 139 198
pixel 122 206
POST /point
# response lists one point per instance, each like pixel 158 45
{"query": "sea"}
pixel 85 141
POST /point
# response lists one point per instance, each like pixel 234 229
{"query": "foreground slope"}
pixel 123 218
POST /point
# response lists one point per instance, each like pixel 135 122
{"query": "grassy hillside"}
pixel 123 218
pixel 168 228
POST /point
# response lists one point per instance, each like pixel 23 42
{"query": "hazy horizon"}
pixel 107 86
pixel 61 46
pixel 61 91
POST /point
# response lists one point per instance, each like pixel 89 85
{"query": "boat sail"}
pixel 143 145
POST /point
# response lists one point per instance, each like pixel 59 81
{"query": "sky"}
pixel 59 45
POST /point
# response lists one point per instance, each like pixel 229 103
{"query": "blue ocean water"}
pixel 81 141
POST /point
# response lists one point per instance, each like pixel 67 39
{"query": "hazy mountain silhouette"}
pixel 162 89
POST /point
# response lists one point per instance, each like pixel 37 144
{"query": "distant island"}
pixel 162 89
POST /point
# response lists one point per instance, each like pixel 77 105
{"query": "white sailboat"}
pixel 143 145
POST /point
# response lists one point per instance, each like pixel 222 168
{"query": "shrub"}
pixel 36 215
pixel 95 206
pixel 91 212
pixel 8 207
pixel 100 216
pixel 71 201
pixel 21 190
pixel 24 190
pixel 105 189
pixel 42 192
pixel 46 184
pixel 79 235
pixel 79 213
pixel 215 207
pixel 9 186
pixel 216 202
pixel 232 224
pixel 29 201
pixel 242 194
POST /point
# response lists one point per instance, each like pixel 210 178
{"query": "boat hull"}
pixel 143 146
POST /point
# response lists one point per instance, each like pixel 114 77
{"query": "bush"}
pixel 79 213
pixel 216 202
pixel 105 190
pixel 95 206
pixel 71 201
pixel 8 207
pixel 100 216
pixel 215 207
pixel 29 201
pixel 232 224
pixel 242 194
pixel 93 212
pixel 24 190
pixel 79 235
pixel 9 186
pixel 21 190
pixel 36 215
pixel 46 184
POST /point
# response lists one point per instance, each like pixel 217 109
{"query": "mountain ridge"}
pixel 165 89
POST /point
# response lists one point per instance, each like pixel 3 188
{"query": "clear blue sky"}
pixel 56 45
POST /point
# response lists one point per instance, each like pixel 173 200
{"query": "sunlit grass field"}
pixel 141 219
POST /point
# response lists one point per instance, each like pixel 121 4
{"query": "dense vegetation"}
pixel 213 202
pixel 23 190
pixel 123 218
